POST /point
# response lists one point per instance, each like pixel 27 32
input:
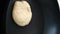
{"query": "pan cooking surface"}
pixel 35 26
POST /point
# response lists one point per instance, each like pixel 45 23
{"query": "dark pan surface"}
pixel 45 17
pixel 36 24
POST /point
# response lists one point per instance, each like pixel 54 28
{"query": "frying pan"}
pixel 45 18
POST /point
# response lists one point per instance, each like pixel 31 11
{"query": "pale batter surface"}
pixel 22 13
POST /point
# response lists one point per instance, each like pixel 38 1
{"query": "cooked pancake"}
pixel 22 13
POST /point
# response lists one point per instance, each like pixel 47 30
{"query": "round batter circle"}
pixel 22 13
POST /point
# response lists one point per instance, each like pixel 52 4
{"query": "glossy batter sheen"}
pixel 22 13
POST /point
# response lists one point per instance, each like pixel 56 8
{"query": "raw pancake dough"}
pixel 22 13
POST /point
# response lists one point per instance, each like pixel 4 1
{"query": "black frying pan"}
pixel 44 18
